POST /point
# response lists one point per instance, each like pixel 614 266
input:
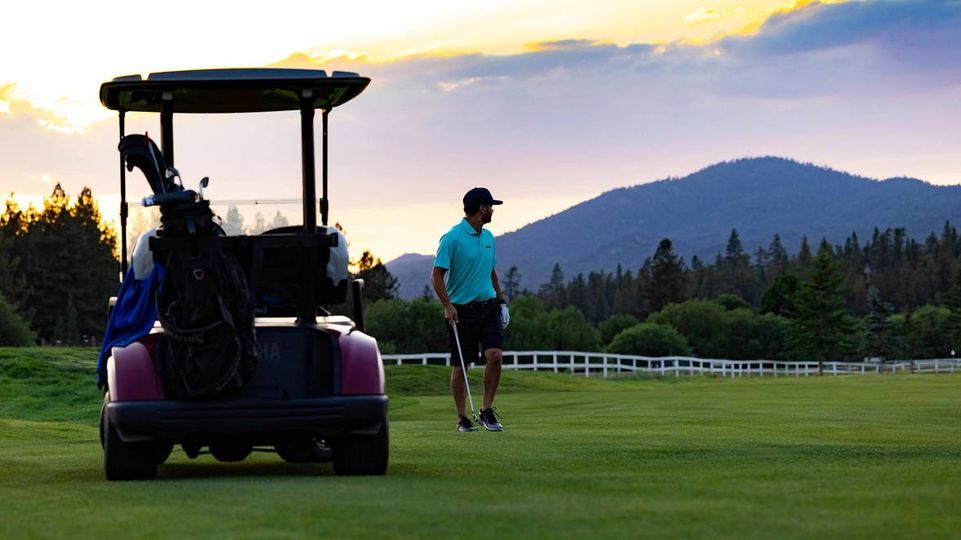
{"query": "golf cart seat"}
pixel 277 264
pixel 278 271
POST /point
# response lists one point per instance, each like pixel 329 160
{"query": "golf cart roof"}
pixel 232 90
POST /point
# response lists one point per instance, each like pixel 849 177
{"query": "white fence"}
pixel 603 365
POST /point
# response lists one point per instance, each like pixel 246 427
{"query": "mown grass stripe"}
pixel 845 457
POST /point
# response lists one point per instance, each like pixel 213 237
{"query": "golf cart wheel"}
pixel 162 450
pixel 127 461
pixel 362 454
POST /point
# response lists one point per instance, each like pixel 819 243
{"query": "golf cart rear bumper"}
pixel 178 420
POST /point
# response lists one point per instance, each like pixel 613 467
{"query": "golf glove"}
pixel 505 316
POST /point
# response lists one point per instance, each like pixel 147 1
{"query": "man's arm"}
pixel 497 286
pixel 437 280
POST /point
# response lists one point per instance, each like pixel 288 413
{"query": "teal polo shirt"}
pixel 468 257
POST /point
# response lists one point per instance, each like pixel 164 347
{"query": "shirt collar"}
pixel 468 228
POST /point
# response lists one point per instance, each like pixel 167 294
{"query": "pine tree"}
pixel 576 294
pixel 12 283
pixel 279 221
pixel 821 327
pixel 624 301
pixel 234 223
pixel 803 256
pixel 778 257
pixel 553 292
pixel 954 305
pixel 512 283
pixel 736 274
pixel 667 277
pixel 597 305
pixel 260 224
pixel 880 340
pixel 734 256
pixel 379 283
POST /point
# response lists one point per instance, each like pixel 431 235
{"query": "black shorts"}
pixel 479 327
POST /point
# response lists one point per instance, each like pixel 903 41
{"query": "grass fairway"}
pixel 852 457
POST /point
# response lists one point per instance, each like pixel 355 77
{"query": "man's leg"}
pixel 492 375
pixel 467 333
pixel 458 391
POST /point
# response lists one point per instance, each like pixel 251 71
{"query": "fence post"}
pixel 605 366
pixel 555 362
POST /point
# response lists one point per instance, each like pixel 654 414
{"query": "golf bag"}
pixel 204 303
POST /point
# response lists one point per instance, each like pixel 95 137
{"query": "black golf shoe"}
pixel 488 419
pixel 464 425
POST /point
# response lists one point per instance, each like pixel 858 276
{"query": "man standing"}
pixel 472 302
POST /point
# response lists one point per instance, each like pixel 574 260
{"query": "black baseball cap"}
pixel 479 196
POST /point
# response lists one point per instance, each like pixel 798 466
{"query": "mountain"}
pixel 412 272
pixel 757 196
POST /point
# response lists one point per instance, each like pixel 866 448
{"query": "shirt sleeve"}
pixel 445 252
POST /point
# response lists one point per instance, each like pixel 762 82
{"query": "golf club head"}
pixel 174 175
pixel 204 182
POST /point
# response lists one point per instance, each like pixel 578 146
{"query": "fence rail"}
pixel 603 365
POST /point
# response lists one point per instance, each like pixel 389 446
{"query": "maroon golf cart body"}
pixel 317 393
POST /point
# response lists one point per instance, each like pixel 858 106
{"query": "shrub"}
pixel 650 339
pixel 701 322
pixel 731 301
pixel 14 332
pixel 615 325
pixel 403 327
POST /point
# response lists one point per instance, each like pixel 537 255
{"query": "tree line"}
pixel 888 297
pixel 57 269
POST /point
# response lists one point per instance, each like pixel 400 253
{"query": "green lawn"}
pixel 830 457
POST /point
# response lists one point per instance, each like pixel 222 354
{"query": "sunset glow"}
pixel 548 103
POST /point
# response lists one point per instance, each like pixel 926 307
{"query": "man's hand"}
pixel 450 313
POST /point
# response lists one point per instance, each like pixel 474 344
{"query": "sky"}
pixel 547 103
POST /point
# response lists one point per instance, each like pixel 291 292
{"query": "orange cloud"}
pixel 6 92
pixel 704 14
pixel 708 14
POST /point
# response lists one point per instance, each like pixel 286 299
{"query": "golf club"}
pixel 463 365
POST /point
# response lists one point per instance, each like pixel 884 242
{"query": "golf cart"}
pixel 314 390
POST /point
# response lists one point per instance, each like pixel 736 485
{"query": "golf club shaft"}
pixel 463 365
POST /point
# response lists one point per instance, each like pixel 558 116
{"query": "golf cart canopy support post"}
pixel 123 205
pixel 306 310
pixel 324 201
pixel 167 128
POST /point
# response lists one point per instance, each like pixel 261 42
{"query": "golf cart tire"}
pixel 362 455
pixel 162 451
pixel 127 461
